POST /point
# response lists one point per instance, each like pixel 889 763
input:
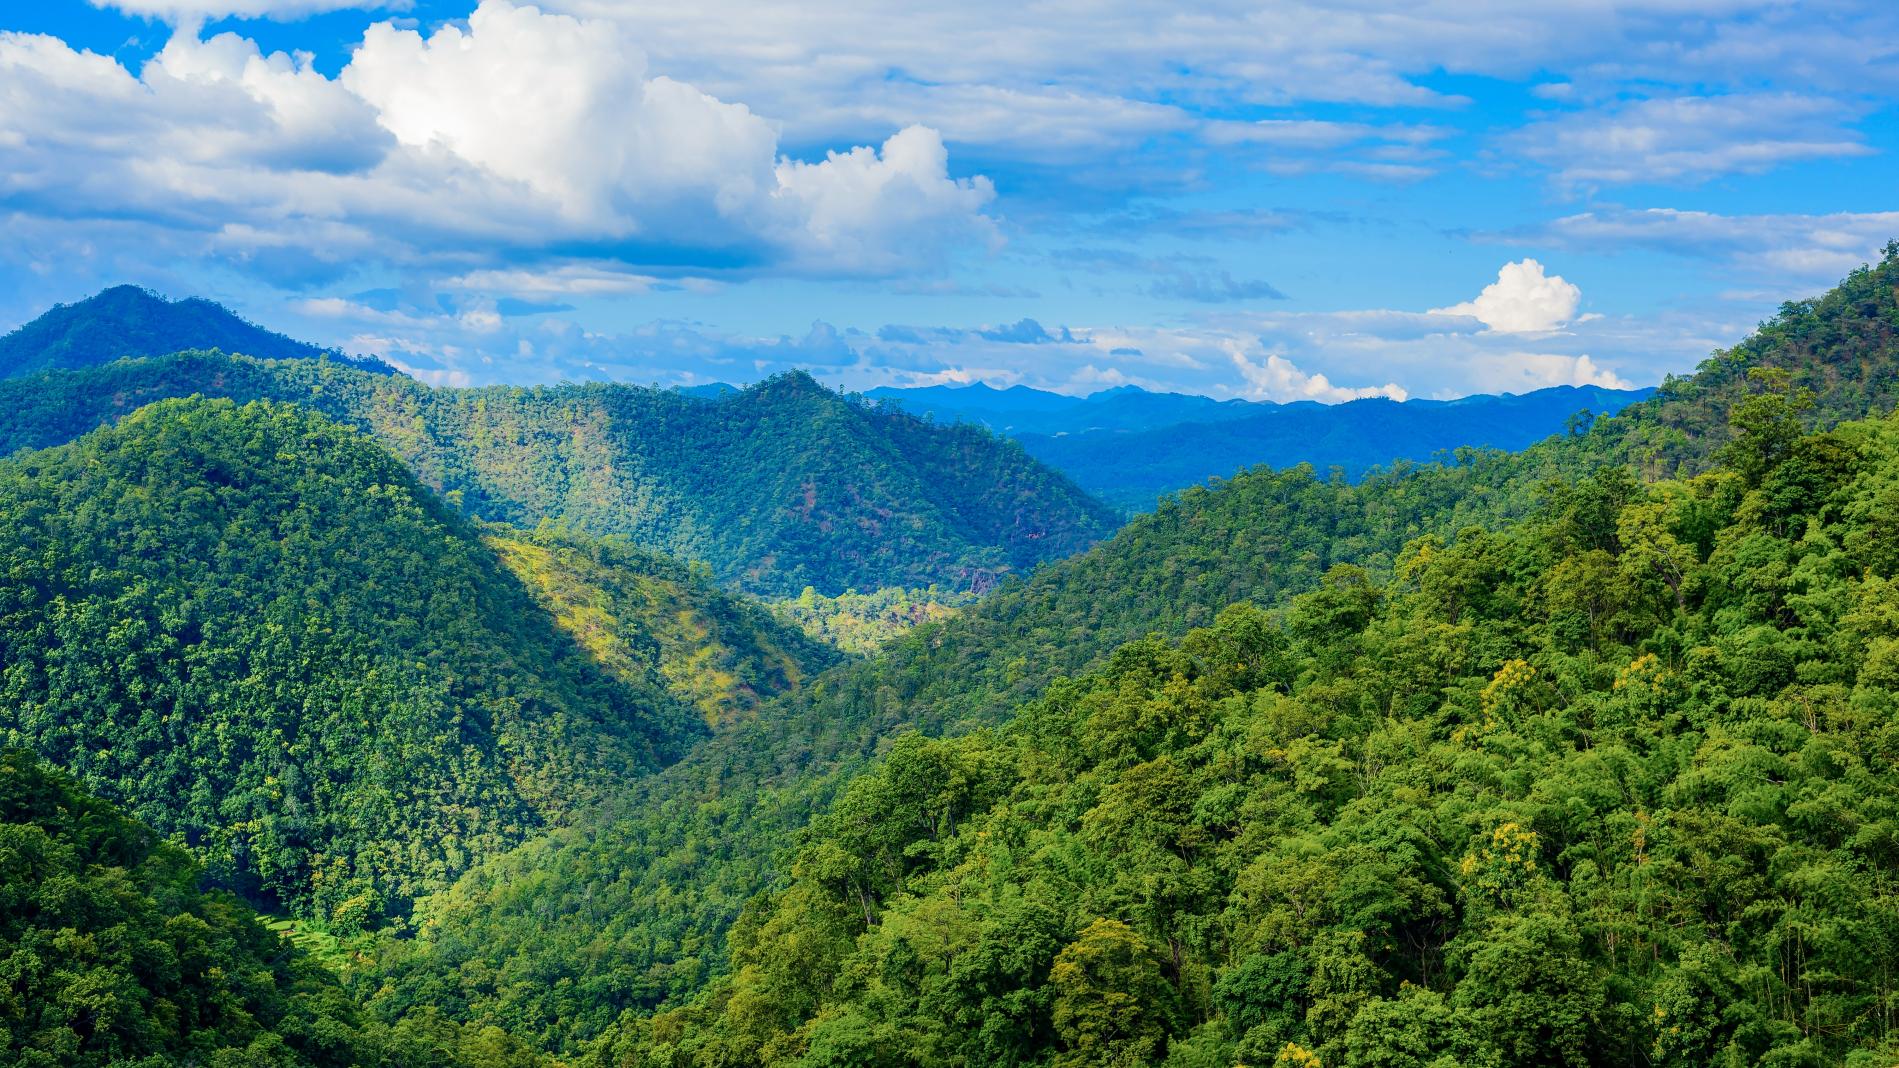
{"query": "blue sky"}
pixel 1274 200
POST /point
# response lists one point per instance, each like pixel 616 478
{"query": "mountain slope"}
pixel 258 631
pixel 1609 788
pixel 783 486
pixel 113 955
pixel 642 616
pixel 129 321
pixel 695 843
pixel 1132 469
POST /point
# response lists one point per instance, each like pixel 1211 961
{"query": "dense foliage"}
pixel 1131 469
pixel 865 622
pixel 1573 756
pixel 111 955
pixel 256 630
pixel 641 616
pixel 1842 346
pixel 1612 788
pixel 555 939
pixel 783 486
pixel 129 321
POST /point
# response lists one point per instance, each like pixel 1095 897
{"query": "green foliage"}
pixel 783 486
pixel 643 617
pixel 559 939
pixel 113 956
pixel 1488 836
pixel 256 630
pixel 862 623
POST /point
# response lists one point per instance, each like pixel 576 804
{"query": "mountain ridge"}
pixel 128 320
pixel 785 485
pixel 695 844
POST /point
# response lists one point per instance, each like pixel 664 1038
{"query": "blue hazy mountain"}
pixel 130 321
pixel 1128 446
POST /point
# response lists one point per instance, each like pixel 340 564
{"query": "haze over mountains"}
pixel 1474 762
pixel 1128 446
pixel 1124 446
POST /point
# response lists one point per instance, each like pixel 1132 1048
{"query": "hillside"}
pixel 695 843
pixel 642 616
pixel 129 321
pixel 1132 469
pixel 783 486
pixel 113 955
pixel 1610 787
pixel 256 630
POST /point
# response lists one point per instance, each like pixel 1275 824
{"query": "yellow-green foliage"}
pixel 643 617
pixel 862 623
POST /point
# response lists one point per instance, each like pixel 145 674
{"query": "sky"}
pixel 1281 201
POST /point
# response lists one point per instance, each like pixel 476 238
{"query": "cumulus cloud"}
pixel 1276 378
pixel 1522 300
pixel 520 137
pixel 869 209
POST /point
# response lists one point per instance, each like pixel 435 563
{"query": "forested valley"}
pixel 1578 755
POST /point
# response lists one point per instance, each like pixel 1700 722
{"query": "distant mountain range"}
pixel 1132 467
pixel 1128 446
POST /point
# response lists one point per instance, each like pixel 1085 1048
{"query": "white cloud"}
pixel 869 210
pixel 1124 70
pixel 183 11
pixel 1688 138
pixel 1522 300
pixel 562 280
pixel 1276 378
pixel 1794 251
pixel 504 141
pixel 1282 356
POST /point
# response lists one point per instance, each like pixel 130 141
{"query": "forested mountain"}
pixel 1131 469
pixel 1610 787
pixel 130 321
pixel 783 486
pixel 258 631
pixel 555 940
pixel 642 615
pixel 112 955
pixel 1571 756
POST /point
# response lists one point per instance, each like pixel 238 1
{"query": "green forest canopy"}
pixel 526 939
pixel 783 486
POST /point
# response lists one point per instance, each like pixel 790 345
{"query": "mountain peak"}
pixel 132 321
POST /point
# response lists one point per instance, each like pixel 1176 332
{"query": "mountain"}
pixel 113 955
pixel 256 630
pixel 1603 788
pixel 1131 468
pixel 643 616
pixel 130 321
pixel 690 850
pixel 783 486
pixel 1021 410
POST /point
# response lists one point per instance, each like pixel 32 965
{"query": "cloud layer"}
pixel 525 136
